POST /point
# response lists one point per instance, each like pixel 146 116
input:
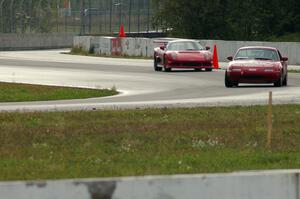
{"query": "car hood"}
pixel 254 63
pixel 191 55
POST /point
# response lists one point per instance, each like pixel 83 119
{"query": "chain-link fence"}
pixel 76 16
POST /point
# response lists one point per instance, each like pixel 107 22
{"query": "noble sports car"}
pixel 257 65
pixel 187 54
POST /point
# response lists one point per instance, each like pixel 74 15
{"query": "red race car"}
pixel 187 54
pixel 257 64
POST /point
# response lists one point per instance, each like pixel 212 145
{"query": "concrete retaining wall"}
pixel 35 41
pixel 144 46
pixel 262 185
pixel 228 48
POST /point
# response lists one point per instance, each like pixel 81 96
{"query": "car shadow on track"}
pixel 259 86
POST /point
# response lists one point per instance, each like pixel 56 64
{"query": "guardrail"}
pixel 144 46
pixel 282 184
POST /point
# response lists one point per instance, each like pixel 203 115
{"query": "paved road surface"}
pixel 140 86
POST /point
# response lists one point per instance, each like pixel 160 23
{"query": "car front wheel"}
pixel 279 82
pixel 228 82
pixel 156 68
pixel 165 68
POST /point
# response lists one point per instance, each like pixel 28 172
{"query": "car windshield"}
pixel 184 45
pixel 255 53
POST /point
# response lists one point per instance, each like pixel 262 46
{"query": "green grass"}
pixel 11 92
pixel 146 142
pixel 294 71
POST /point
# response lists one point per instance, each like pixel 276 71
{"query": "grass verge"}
pixel 294 71
pixel 12 92
pixel 143 142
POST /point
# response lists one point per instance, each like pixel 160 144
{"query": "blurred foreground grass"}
pixel 146 142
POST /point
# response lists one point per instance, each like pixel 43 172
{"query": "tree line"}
pixel 229 19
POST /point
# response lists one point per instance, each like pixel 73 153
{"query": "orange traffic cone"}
pixel 122 32
pixel 215 58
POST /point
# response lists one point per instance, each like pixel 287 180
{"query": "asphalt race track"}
pixel 139 84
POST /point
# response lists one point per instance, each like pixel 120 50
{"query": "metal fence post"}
pixel 90 18
pixel 99 14
pixel 21 16
pixel 11 16
pixel 30 15
pixel 139 16
pixel 110 17
pixel 57 15
pixel 129 16
pixel 38 17
pixel 148 16
pixel 82 17
pixel 1 15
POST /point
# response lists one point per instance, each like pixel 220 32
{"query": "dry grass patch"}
pixel 144 142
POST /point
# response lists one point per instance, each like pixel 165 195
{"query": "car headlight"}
pixel 174 56
pixel 269 70
pixel 234 69
pixel 208 56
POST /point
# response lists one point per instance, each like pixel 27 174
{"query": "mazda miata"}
pixel 257 64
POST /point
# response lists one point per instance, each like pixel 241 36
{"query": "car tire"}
pixel 228 82
pixel 165 68
pixel 279 82
pixel 208 69
pixel 197 69
pixel 284 83
pixel 236 84
pixel 156 68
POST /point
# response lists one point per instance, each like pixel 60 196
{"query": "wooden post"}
pixel 270 121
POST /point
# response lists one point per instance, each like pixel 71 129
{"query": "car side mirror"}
pixel 230 58
pixel 162 47
pixel 207 48
pixel 284 59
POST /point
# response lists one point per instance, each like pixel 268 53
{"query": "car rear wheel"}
pixel 156 68
pixel 228 82
pixel 208 69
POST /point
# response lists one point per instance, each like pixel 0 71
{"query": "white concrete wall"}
pixel 137 47
pixel 228 48
pixel 102 45
pixel 35 41
pixel 251 185
pixel 144 46
pixel 84 42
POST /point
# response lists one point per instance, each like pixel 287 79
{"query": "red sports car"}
pixel 257 65
pixel 188 54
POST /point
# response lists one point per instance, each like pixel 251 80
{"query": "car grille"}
pixel 208 64
pixel 253 77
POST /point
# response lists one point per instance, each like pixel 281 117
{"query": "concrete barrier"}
pixel 249 185
pixel 84 42
pixel 29 41
pixel 102 45
pixel 228 48
pixel 144 46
